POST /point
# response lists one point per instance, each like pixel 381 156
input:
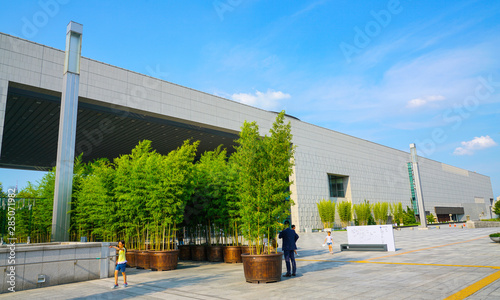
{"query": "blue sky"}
pixel 392 72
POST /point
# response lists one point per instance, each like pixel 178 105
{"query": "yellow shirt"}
pixel 121 256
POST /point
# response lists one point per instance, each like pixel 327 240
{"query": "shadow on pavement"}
pixel 155 286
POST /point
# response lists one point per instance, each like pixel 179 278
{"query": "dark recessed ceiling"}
pixel 32 123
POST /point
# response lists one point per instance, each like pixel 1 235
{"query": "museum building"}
pixel 117 108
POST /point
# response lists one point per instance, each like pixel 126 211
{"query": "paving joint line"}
pixel 396 263
pixel 462 294
pixel 411 251
pixel 473 288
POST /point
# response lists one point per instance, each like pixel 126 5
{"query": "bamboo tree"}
pixel 131 182
pixel 380 210
pixel 212 187
pixel 248 166
pixel 34 213
pixel 95 211
pixel 233 201
pixel 155 198
pixel 363 212
pixel 175 188
pixel 344 209
pixel 322 211
pixel 326 211
pixel 209 193
pixel 397 212
pixel 264 166
pixel 42 210
pixel 25 200
pixel 80 171
pixel 331 214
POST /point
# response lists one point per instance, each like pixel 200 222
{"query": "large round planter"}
pixel 163 260
pixel 496 239
pixel 232 254
pixel 262 268
pixel 130 254
pixel 198 253
pixel 142 259
pixel 184 252
pixel 215 253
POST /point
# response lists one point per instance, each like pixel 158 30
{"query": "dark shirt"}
pixel 289 238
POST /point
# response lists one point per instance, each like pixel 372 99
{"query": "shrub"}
pixel 430 218
pixel 409 216
pixel 496 208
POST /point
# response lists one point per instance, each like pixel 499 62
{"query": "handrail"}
pixel 54 261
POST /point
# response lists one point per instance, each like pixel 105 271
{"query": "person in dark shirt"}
pixel 295 250
pixel 289 245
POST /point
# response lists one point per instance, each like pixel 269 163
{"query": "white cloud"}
pixel 477 143
pixel 418 102
pixel 268 100
pixel 443 78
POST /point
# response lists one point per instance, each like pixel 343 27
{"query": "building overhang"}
pixel 103 131
pixel 445 210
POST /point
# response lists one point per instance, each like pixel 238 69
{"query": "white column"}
pixel 418 186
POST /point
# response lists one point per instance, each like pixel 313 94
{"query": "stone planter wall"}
pixel 58 262
pixel 482 224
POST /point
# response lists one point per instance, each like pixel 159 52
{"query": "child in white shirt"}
pixel 329 242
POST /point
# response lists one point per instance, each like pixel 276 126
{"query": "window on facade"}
pixel 336 186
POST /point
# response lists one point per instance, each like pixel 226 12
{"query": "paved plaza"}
pixel 445 263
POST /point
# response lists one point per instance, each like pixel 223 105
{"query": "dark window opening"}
pixel 336 186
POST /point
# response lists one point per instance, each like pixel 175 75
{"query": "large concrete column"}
pixel 67 134
pixel 418 186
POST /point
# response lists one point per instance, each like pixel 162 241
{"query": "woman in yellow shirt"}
pixel 121 263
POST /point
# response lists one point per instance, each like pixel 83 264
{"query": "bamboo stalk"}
pixel 268 241
pixel 169 236
pixel 163 239
pixel 209 233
